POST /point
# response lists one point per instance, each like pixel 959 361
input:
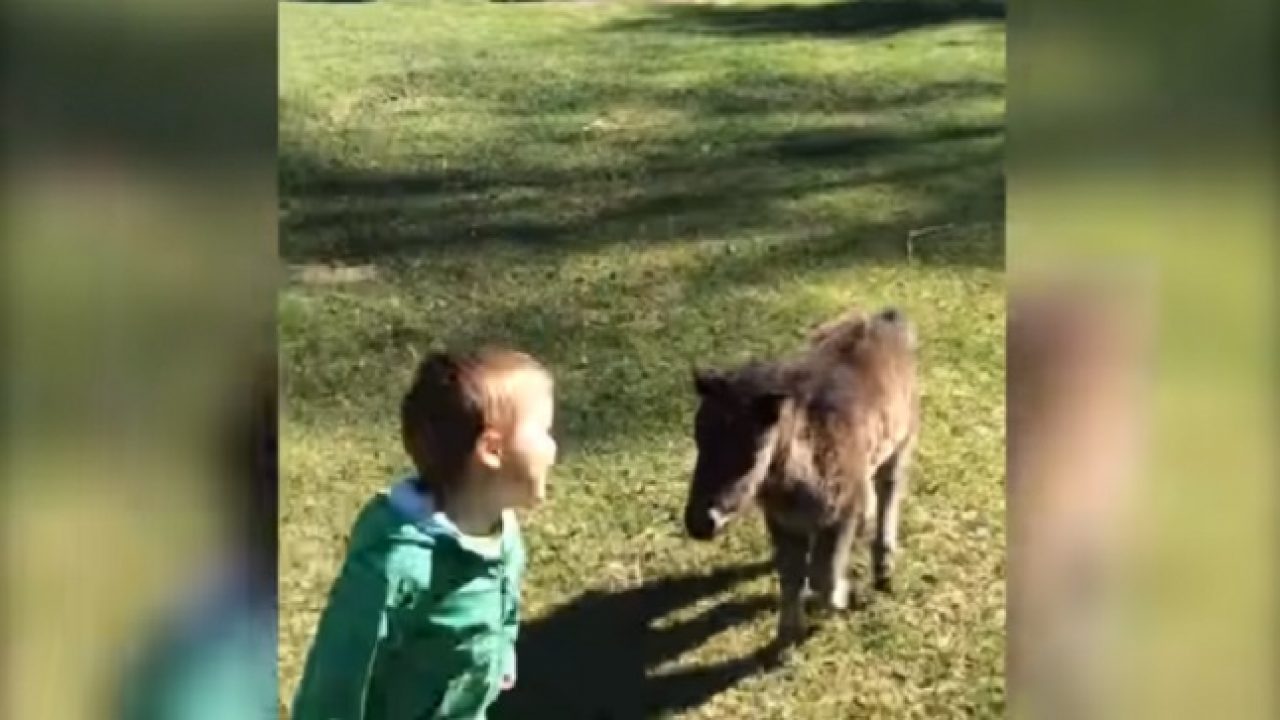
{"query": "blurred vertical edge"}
pixel 140 270
pixel 1142 359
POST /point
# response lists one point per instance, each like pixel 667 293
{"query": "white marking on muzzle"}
pixel 718 518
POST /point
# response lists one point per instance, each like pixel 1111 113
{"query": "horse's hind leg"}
pixel 828 566
pixel 891 486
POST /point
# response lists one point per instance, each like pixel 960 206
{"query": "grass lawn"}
pixel 626 189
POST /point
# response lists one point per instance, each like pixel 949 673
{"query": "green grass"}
pixel 625 190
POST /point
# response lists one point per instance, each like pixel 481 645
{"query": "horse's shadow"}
pixel 593 658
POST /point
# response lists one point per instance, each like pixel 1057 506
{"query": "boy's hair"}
pixel 453 399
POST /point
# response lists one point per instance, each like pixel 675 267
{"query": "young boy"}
pixel 421 622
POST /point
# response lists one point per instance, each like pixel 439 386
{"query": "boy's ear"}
pixel 489 449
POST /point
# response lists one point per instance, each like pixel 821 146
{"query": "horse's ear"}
pixel 850 326
pixel 708 382
pixel 767 407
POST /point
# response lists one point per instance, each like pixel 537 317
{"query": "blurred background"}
pixel 1141 357
pixel 141 213
pixel 140 471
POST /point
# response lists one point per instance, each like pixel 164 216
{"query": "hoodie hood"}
pixel 417 506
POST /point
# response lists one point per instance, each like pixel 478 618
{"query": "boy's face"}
pixel 529 451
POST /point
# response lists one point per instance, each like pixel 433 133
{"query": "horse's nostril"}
pixel 700 526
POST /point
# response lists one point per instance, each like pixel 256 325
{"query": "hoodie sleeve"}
pixel 358 621
pixel 513 631
pixel 338 670
pixel 511 618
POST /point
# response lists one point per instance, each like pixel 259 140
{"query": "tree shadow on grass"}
pixel 731 167
pixel 767 200
pixel 622 369
pixel 362 217
pixel 837 19
pixel 594 657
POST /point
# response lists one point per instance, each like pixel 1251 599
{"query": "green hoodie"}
pixel 421 622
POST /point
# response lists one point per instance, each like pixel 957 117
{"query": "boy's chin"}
pixel 530 500
pixel 538 496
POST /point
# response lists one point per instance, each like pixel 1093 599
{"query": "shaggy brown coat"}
pixel 821 442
